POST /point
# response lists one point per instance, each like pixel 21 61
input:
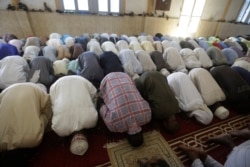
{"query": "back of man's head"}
pixel 136 140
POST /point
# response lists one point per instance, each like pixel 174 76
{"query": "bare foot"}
pixel 193 153
pixel 224 139
pixel 243 133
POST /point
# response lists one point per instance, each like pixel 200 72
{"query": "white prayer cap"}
pixel 79 144
pixel 221 112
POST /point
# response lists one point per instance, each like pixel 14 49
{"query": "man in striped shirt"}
pixel 124 110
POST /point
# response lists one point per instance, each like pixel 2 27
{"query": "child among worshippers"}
pixel 154 88
pixel 73 105
pixel 236 89
pixel 90 68
pixel 25 110
pixel 189 98
pixel 41 71
pixel 110 62
pixel 13 69
pixel 238 156
pixel 124 110
pixel 210 91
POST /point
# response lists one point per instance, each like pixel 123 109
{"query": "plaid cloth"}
pixel 124 109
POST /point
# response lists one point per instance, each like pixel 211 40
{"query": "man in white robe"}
pixel 13 69
pixel 73 109
pixel 210 91
pixel 189 98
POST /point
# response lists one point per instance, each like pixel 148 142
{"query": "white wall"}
pixel 137 6
pixel 213 11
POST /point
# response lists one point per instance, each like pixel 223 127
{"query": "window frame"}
pixel 93 8
pixel 244 14
pixel 190 15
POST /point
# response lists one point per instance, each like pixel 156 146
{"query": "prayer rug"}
pixel 199 137
pixel 123 155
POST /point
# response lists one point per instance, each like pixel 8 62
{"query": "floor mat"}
pixel 123 155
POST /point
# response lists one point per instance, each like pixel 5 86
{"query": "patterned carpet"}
pixel 53 153
pixel 123 155
pixel 198 138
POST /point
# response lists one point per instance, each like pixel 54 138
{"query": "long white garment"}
pixel 31 52
pixel 145 60
pixel 121 44
pixel 242 63
pixel 109 46
pixel 189 97
pixel 13 69
pixel 135 46
pixel 129 62
pixel 73 106
pixel 54 43
pixel 209 89
pixel 147 46
pixel 174 60
pixel 94 46
pixel 166 44
pixel 203 57
pixel 158 46
pixel 189 58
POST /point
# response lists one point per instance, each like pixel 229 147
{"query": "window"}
pixel 92 6
pixel 244 15
pixel 190 15
pixel 69 5
pixel 109 6
pixel 83 5
pixel 103 5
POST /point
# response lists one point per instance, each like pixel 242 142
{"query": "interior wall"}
pixel 16 22
pixel 75 24
pixel 25 24
pixel 213 10
pixel 214 21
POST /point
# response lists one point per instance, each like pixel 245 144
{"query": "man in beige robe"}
pixel 25 110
